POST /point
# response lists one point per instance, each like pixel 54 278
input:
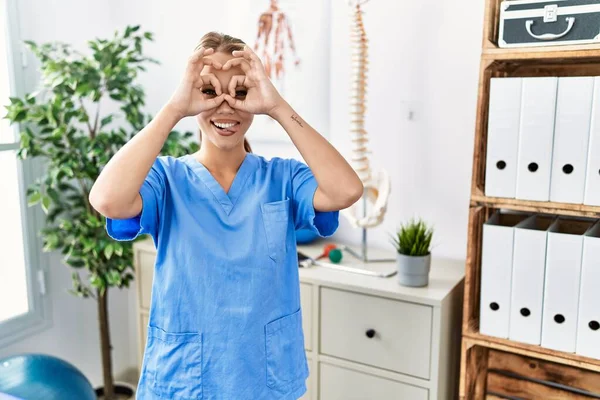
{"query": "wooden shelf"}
pixel 576 53
pixel 544 207
pixel 499 368
pixel 532 351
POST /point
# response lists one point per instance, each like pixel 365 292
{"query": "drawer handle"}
pixel 370 333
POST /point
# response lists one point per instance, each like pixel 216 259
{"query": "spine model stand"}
pixel 369 212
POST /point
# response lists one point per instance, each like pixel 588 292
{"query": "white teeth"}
pixel 224 126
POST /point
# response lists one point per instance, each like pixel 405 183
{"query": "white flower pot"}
pixel 413 271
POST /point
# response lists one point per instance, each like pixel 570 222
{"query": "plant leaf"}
pixel 46 204
pixel 108 251
pixel 34 198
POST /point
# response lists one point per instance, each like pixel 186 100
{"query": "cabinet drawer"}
pixel 338 383
pixel 145 272
pixel 306 305
pixel 402 331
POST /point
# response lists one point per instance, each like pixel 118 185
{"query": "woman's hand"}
pixel 253 92
pixel 189 99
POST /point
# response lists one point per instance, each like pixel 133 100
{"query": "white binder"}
pixel 561 289
pixel 527 292
pixel 571 136
pixel 588 326
pixel 538 105
pixel 592 182
pixel 503 137
pixel 496 271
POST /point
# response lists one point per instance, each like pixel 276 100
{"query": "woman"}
pixel 225 319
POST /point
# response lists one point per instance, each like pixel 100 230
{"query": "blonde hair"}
pixel 220 42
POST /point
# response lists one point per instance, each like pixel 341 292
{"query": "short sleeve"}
pixel 304 186
pixel 147 221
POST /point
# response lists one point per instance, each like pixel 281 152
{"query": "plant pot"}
pixel 413 270
pixel 123 391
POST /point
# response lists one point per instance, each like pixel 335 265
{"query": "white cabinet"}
pixel 384 333
pixel 339 383
pixel 366 338
pixel 306 304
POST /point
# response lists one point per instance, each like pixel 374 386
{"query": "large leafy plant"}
pixel 64 124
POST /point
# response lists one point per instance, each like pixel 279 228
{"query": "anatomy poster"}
pixel 292 39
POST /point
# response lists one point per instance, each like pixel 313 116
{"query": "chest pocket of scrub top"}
pixel 174 364
pixel 276 216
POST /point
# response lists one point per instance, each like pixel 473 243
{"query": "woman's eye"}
pixel 241 93
pixel 209 92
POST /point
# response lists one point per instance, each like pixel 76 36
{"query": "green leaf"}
pixel 31 44
pixel 18 116
pixel 108 251
pixel 118 249
pixel 106 120
pixel 34 198
pixel 113 277
pixel 30 98
pixel 52 241
pixel 117 96
pixel 53 213
pixel 75 262
pixel 83 88
pixel 46 203
pixel 96 281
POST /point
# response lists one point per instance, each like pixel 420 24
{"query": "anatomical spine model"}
pixel 274 33
pixel 377 187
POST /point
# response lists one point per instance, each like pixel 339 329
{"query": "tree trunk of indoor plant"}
pixel 109 391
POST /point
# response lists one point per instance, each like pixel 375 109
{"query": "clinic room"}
pixel 286 199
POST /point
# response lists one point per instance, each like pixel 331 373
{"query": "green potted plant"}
pixel 413 246
pixel 66 125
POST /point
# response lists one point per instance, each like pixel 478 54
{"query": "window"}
pixel 22 308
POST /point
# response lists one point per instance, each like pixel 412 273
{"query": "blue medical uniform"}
pixel 225 319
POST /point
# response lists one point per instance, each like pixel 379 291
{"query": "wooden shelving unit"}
pixel 493 368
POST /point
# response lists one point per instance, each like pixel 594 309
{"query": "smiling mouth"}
pixel 226 128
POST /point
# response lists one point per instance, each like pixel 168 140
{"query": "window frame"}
pixel 32 218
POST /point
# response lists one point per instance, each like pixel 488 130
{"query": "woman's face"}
pixel 223 126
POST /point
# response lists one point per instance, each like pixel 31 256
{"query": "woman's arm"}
pixel 115 193
pixel 339 186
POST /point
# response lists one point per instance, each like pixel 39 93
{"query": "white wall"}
pixel 424 58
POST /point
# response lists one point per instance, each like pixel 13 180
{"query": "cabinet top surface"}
pixel 445 274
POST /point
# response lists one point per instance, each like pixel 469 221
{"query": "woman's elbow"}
pixel 354 193
pixel 102 203
pixel 359 190
pixel 99 202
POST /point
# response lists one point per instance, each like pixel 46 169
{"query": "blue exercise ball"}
pixel 304 236
pixel 43 377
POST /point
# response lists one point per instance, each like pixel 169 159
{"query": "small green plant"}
pixel 413 238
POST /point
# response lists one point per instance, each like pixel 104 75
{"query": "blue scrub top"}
pixel 225 319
